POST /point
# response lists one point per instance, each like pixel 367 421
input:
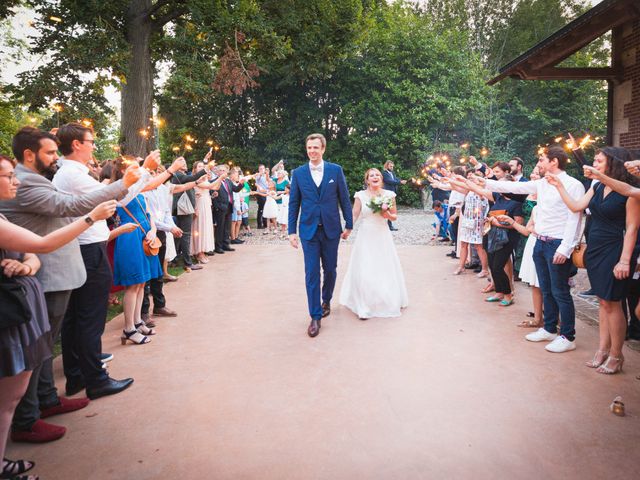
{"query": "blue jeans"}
pixel 556 294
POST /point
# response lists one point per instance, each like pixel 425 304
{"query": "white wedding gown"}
pixel 374 284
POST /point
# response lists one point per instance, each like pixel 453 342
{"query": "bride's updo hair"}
pixel 366 175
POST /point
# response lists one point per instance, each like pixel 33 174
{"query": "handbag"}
pixel 13 302
pixel 577 257
pixel 184 205
pixel 496 239
pixel 152 248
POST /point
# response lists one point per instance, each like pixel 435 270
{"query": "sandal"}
pixel 493 299
pixel 13 468
pixel 489 288
pixel 483 274
pixel 530 324
pixel 458 271
pixel 598 359
pixel 149 323
pixel 604 368
pixel 531 315
pixel 133 336
pixel 505 303
pixel 143 329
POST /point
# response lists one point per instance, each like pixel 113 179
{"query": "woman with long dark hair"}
pixel 608 258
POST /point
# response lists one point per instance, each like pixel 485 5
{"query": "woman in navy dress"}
pixel 132 267
pixel 610 250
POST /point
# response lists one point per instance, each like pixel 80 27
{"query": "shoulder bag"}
pixel 577 257
pixel 150 249
pixel 13 302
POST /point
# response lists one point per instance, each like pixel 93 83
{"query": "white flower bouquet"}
pixel 380 203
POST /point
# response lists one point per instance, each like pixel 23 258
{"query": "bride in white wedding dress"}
pixel 374 284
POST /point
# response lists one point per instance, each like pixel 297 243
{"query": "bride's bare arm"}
pixel 357 208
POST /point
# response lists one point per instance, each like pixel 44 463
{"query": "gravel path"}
pixel 414 228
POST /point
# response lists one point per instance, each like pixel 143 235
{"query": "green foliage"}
pixel 382 80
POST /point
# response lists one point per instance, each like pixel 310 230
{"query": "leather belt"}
pixel 544 238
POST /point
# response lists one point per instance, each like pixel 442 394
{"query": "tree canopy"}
pixel 381 80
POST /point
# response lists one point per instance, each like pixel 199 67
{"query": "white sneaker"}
pixel 541 335
pixel 560 345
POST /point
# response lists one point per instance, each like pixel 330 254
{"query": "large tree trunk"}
pixel 137 92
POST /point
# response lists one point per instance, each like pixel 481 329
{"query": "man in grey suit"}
pixel 39 207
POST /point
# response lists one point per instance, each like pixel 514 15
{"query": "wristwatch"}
pixel 89 220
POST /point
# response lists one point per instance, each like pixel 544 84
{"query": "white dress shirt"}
pixel 73 178
pixel 554 219
pixel 317 172
pixel 160 208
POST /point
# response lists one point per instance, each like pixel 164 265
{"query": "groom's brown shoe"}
pixel 326 310
pixel 314 328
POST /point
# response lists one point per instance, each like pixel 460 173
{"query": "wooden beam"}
pixel 550 73
pixel 578 39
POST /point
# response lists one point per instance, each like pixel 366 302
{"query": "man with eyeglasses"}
pixel 41 208
pixel 86 315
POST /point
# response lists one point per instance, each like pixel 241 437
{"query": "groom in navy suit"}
pixel 318 189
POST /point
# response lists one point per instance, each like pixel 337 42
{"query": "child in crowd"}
pixel 244 209
pixel 236 217
pixel 270 212
pixel 283 214
pixel 442 221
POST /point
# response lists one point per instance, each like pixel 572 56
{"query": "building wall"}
pixel 626 97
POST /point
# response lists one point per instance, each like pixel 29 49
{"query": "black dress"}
pixel 606 238
pixel 26 346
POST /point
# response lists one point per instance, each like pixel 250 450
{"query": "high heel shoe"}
pixel 604 368
pixel 133 336
pixel 143 329
pixel 598 359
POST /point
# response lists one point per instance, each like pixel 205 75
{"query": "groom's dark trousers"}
pixel 320 249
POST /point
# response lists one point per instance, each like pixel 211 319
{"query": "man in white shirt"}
pixel 557 231
pixel 84 321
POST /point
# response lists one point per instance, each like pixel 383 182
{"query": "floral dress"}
pixel 472 220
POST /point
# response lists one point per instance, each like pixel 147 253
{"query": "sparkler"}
pixel 57 107
pixel 585 141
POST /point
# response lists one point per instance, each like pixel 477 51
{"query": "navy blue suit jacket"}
pixel 390 181
pixel 317 206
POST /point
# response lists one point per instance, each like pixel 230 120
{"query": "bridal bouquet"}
pixel 380 203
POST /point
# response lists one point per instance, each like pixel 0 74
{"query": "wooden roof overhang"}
pixel 538 63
